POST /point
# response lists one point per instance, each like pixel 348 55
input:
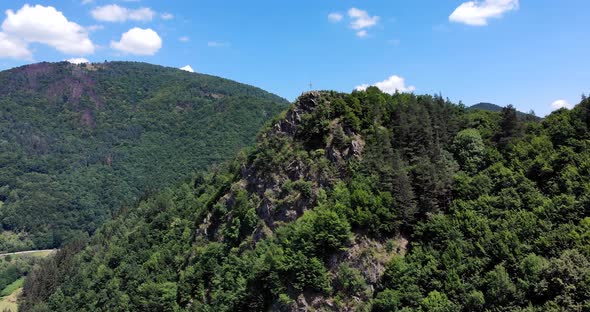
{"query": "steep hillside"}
pixel 355 202
pixel 77 142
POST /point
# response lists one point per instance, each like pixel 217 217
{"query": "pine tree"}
pixel 509 126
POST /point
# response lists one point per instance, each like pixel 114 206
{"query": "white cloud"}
pixel 188 68
pixel 85 2
pixel 361 33
pixel 477 13
pixel 78 60
pixel 48 26
pixel 167 16
pixel 218 44
pixel 138 41
pixel 361 19
pixel 184 39
pixel 141 14
pixel 335 17
pixel 561 104
pixel 14 48
pixel 390 85
pixel 116 13
pixel 94 27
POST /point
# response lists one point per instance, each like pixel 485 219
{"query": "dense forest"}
pixel 78 142
pixel 355 202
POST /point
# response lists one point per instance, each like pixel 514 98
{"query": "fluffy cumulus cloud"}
pixel 188 68
pixel 335 17
pixel 477 13
pixel 14 48
pixel 77 60
pixel 41 24
pixel 561 104
pixel 116 13
pixel 138 41
pixel 390 85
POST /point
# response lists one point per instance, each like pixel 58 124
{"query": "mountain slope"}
pixel 355 202
pixel 487 106
pixel 497 108
pixel 77 142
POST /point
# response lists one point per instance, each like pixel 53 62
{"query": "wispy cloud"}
pixel 361 19
pixel 167 16
pixel 218 44
pixel 361 33
pixel 335 17
pixel 394 42
pixel 116 13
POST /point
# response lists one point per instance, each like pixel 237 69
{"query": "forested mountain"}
pixel 487 106
pixel 355 202
pixel 497 108
pixel 78 142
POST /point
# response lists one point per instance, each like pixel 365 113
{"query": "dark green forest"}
pixel 355 202
pixel 79 142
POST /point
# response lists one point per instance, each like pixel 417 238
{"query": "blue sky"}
pixel 532 54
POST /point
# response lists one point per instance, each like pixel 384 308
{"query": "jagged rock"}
pixel 357 147
pixel 306 103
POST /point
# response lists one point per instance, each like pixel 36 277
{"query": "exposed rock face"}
pixel 268 187
pixel 275 206
pixel 369 257
pixel 306 104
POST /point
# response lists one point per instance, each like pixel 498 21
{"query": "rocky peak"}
pixel 305 104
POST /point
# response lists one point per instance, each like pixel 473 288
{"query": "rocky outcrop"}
pixel 305 104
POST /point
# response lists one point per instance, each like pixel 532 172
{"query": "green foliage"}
pixel 317 233
pixel 438 302
pixel 349 280
pixel 494 208
pixel 78 142
pixel 469 150
pixel 9 289
pixel 386 301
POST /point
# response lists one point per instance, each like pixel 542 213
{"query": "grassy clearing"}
pixel 9 295
pixel 12 287
pixel 8 303
pixel 40 254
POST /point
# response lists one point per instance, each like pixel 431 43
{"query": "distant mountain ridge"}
pixel 497 108
pixel 78 142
